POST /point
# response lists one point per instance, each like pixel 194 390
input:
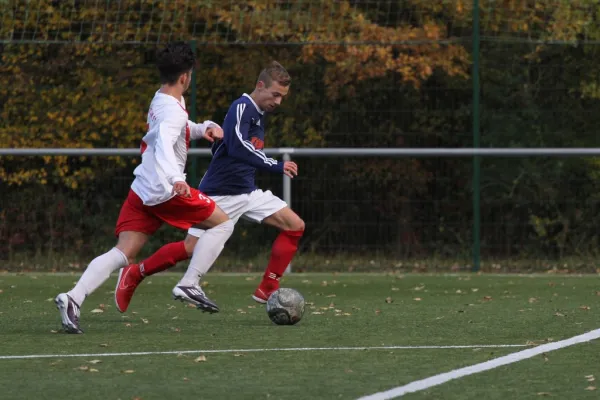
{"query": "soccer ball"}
pixel 285 306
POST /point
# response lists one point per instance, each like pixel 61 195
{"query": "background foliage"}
pixel 365 74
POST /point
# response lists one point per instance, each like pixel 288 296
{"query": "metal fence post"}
pixel 476 143
pixel 193 181
pixel 287 196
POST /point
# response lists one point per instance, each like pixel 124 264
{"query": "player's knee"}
pixel 297 224
pixel 300 225
pixel 226 226
pixel 189 243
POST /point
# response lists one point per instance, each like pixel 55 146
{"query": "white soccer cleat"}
pixel 195 295
pixel 69 313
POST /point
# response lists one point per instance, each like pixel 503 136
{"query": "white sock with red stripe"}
pixel 207 249
pixel 97 272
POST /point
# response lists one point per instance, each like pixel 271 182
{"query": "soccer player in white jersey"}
pixel 230 182
pixel 159 194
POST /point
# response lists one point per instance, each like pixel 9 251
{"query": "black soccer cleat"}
pixel 195 295
pixel 69 313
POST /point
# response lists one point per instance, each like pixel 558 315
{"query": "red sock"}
pixel 166 257
pixel 284 249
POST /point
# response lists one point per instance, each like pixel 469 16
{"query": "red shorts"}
pixel 180 212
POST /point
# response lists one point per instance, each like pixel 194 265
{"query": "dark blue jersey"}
pixel 237 157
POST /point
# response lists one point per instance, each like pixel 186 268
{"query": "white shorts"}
pixel 254 206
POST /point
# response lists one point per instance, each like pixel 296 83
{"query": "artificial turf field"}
pixel 233 354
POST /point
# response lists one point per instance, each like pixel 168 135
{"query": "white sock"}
pixel 97 273
pixel 207 249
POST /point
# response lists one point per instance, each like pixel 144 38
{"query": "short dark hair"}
pixel 275 73
pixel 173 60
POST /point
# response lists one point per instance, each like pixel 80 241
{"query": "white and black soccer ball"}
pixel 285 306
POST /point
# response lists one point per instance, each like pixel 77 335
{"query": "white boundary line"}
pixel 484 366
pixel 150 353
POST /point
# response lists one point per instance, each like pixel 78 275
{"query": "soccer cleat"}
pixel 262 293
pixel 129 279
pixel 195 295
pixel 69 313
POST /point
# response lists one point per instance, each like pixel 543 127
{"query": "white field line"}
pixel 208 351
pixel 484 366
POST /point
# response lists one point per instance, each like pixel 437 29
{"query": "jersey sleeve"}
pixel 238 145
pixel 169 131
pixel 198 130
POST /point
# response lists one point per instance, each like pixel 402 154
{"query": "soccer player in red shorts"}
pixel 159 194
pixel 230 182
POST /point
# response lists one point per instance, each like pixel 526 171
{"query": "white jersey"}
pixel 164 149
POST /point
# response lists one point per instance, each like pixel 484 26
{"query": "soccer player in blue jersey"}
pixel 230 182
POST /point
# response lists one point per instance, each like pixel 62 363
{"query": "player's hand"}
pixel 290 168
pixel 213 133
pixel 182 189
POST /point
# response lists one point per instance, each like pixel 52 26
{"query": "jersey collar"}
pixel 255 105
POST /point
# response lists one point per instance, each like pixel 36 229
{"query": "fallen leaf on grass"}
pixel 53 331
pixel 590 378
pixel 419 288
pixel 56 362
pixel 590 388
pixel 585 308
pixel 544 394
pixel 185 379
pixel 83 368
pixel 200 359
pixel 317 313
pixel 559 314
pixel 103 344
pixel 532 300
pixel 388 300
pixel 487 298
pixel 251 306
pixel 128 325
pixel 93 370
pixel 331 295
pixel 346 314
pixel 48 299
pixel 474 290
pixel 417 299
pixel 238 355
pixel 95 362
pixel 250 278
pixel 459 291
pixel 96 311
pixel 144 320
pixel 241 311
pixel 395 289
pixel 128 371
pixel 377 312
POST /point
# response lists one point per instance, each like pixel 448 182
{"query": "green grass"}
pixel 384 310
